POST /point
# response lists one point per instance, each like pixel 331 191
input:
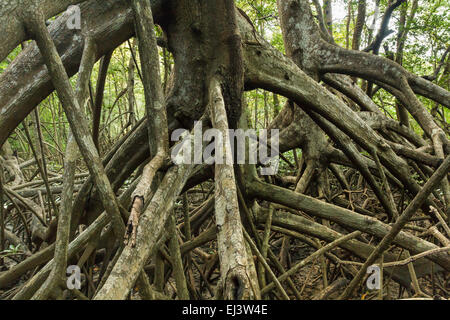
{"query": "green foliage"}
pixel 4 64
pixel 11 251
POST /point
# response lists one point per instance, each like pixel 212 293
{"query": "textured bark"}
pixel 234 267
pixel 404 26
pixel 216 52
pixel 320 17
pixel 109 23
pixel 151 224
pixel 328 14
pixel 10 163
pixel 75 247
pixel 268 69
pixel 52 286
pixel 289 16
pixel 399 224
pixel 55 280
pixel 360 20
pixel 155 109
pixel 77 122
pixel 11 13
pixel 305 226
pixel 343 216
pixel 315 145
pixel 175 253
pixel 98 102
pixel 242 29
